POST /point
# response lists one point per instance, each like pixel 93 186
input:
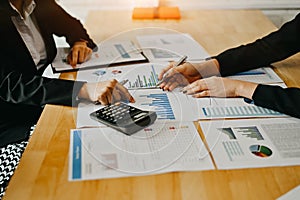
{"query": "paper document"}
pixel 167 105
pixel 170 47
pixel 139 76
pixel 108 53
pixel 262 75
pixel 221 108
pixel 159 148
pixel 253 143
pixel 291 195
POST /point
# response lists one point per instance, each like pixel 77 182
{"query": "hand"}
pixel 105 92
pixel 79 53
pixel 187 73
pixel 220 87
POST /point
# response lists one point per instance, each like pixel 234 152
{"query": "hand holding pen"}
pixel 166 73
pixel 187 73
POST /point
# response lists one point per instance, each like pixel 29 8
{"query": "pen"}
pixel 123 82
pixel 179 62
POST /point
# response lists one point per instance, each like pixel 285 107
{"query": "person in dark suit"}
pixel 203 79
pixel 27 47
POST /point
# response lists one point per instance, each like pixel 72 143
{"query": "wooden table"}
pixel 43 170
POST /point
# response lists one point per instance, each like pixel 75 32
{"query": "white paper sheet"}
pixel 159 148
pixel 138 75
pixel 291 195
pixel 108 53
pixel 167 105
pixel 170 47
pixel 263 75
pixel 253 143
pixel 223 108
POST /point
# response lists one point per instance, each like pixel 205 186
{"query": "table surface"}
pixel 43 170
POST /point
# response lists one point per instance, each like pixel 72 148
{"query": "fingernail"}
pixel 132 100
pixel 184 91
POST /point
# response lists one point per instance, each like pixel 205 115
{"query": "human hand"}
pixel 79 53
pixel 105 92
pixel 220 87
pixel 187 73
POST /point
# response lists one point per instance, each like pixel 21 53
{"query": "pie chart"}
pixel 261 151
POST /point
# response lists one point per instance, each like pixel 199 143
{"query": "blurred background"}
pixel 278 11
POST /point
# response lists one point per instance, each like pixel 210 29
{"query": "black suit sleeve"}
pixel 279 99
pixel 57 21
pixel 273 47
pixel 17 88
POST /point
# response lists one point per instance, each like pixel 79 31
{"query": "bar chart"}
pixel 160 103
pixel 250 132
pixel 238 111
pixel 144 80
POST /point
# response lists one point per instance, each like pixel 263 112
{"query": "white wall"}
pixel 188 4
pixel 279 11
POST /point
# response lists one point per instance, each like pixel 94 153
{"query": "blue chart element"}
pixel 162 105
pixel 238 111
pixel 251 72
pixel 122 51
pixel 143 81
pixel 77 155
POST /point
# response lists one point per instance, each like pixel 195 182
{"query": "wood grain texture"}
pixel 43 170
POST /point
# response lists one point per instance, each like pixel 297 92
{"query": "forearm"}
pixel 36 90
pixel 271 48
pixel 208 68
pixel 284 100
pixel 245 89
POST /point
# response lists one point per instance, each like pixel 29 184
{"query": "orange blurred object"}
pixel 162 12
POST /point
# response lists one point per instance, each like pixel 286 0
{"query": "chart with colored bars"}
pixel 161 104
pixel 249 132
pixel 144 81
pixel 239 111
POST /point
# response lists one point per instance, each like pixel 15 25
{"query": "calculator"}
pixel 123 117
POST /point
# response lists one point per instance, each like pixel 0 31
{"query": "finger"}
pixel 195 87
pixel 116 97
pixel 81 55
pixel 163 71
pixel 170 84
pixel 69 59
pixel 173 86
pixel 88 54
pixel 103 100
pixel 74 57
pixel 124 93
pixel 106 97
pixel 205 93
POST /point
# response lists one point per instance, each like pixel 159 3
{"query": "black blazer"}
pixel 23 91
pixel 274 47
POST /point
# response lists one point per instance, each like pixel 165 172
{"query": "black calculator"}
pixel 123 117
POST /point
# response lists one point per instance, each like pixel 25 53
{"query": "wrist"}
pixel 83 93
pixel 209 68
pixel 245 89
pixel 81 42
